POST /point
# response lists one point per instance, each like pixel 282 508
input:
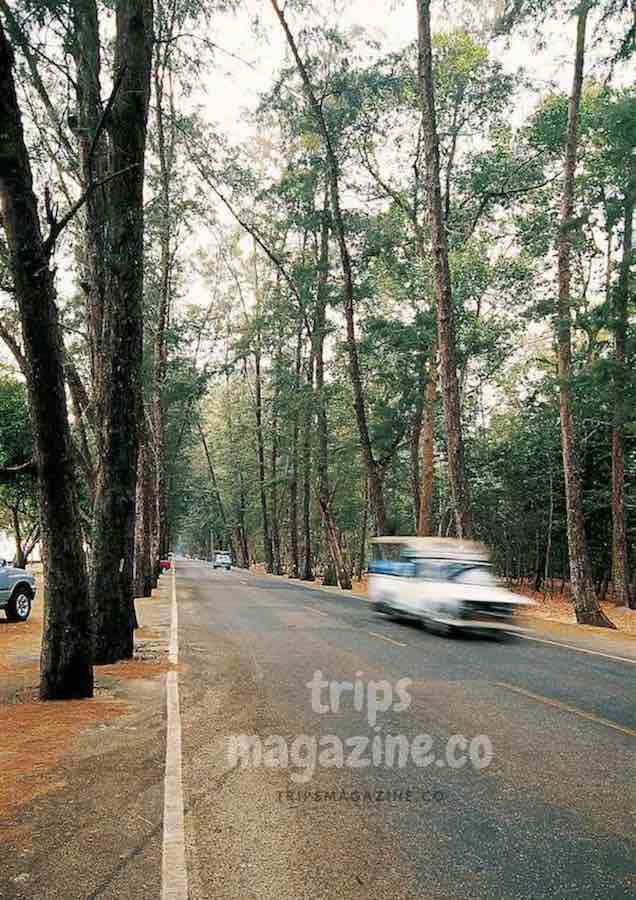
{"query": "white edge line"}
pixel 174 876
pixel 385 638
pixel 174 873
pixel 173 650
pixel 530 637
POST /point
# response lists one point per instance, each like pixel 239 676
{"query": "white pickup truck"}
pixel 17 592
pixel 445 583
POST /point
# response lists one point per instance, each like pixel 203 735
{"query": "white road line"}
pixel 548 701
pixel 530 637
pixel 174 873
pixel 319 612
pixel 173 649
pixel 383 637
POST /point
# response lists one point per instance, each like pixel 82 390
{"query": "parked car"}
pixel 445 583
pixel 17 592
pixel 164 564
pixel 222 560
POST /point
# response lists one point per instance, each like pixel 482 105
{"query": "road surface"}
pixel 542 806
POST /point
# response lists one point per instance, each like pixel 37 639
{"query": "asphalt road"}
pixel 551 814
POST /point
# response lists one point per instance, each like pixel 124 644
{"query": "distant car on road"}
pixel 17 592
pixel 164 564
pixel 222 560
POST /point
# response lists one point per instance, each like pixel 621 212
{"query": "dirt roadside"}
pixel 81 781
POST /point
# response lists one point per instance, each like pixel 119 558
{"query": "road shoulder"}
pixel 81 798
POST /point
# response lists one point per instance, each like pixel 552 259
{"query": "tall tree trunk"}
pixel 92 158
pixel 19 553
pixel 227 534
pixel 620 557
pixel 362 552
pixel 337 569
pixel 65 662
pixel 83 410
pixel 260 454
pixel 335 549
pixel 112 593
pixel 143 507
pixel 307 565
pixel 275 529
pixel 31 541
pixel 293 482
pixel 539 564
pixel 242 533
pixel 160 540
pixel 548 546
pixel 165 153
pixel 460 490
pixel 425 524
pixel 587 609
pixel 243 553
pixel 152 510
pixel 374 472
pixel 258 413
pixel 160 531
pixel 416 435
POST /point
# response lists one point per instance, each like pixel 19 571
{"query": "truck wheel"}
pixel 442 629
pixel 385 609
pixel 19 607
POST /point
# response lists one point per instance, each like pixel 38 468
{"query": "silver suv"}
pixel 17 592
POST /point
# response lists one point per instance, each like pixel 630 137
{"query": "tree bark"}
pixel 83 411
pixel 362 552
pixel 307 566
pixel 415 448
pixel 275 529
pixel 548 545
pixel 460 489
pixel 260 455
pixel 92 160
pixel 539 565
pixel 425 524
pixel 227 534
pixel 112 594
pixel 242 546
pixel 336 571
pixel 165 153
pixel 152 508
pixel 143 526
pixel 242 534
pixel 620 557
pixel 587 609
pixel 342 570
pixel 293 481
pixel 32 540
pixel 19 553
pixel 65 662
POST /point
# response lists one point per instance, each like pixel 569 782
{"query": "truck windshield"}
pixel 476 575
